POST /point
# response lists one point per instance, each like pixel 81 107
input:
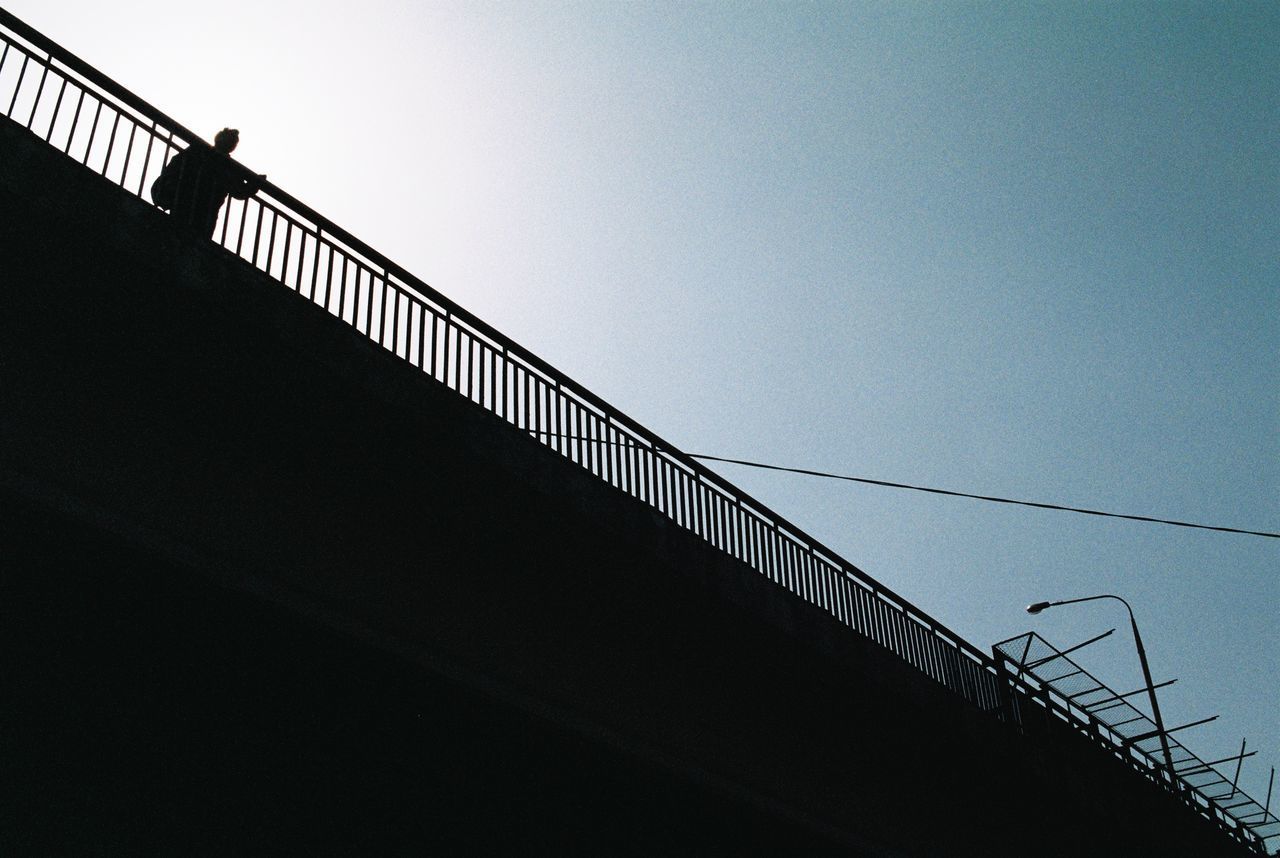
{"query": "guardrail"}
pixel 1047 683
pixel 100 124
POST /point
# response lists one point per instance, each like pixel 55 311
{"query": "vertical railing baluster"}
pixel 668 479
pixel 931 654
pixel 741 526
pixel 759 537
pixel 787 568
pixel 551 416
pixel 257 234
pixel 379 286
pixel 778 558
pixel 877 607
pixel 713 518
pixel 444 363
pixel 504 382
pixel 626 477
pixel 758 548
pixel 284 255
pixel 422 334
pixel 822 594
pixel 244 219
pixel 529 422
pixel 226 222
pixel 902 630
pixel 494 389
pixel 781 572
pixel 717 519
pixel 342 293
pixel 700 502
pixel 458 334
pixel 890 628
pixel 300 269
pixel 791 561
pixel 44 75
pixel 844 589
pixel 315 271
pixel 821 590
pixel 436 321
pixel 726 516
pixel 271 242
pixel 368 312
pixel 915 644
pixel 619 457
pixel 17 87
pixel 328 273
pixel 395 321
pixel 655 490
pixel 128 152
pixel 471 367
pixel 682 490
pixel 57 108
pixel 780 569
pixel 93 131
pixel 867 610
pixel 111 143
pixel 75 121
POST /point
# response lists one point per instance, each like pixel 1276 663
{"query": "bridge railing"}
pixel 1046 683
pixel 108 129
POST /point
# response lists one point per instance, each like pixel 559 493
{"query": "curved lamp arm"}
pixel 1037 607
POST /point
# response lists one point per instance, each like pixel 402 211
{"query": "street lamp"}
pixel 1037 607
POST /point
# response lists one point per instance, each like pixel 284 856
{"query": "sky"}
pixel 1017 249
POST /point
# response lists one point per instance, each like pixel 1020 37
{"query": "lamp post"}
pixel 1142 657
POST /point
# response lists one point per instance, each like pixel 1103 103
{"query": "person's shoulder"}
pixel 192 153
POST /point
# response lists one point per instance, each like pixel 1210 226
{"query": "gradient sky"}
pixel 1022 249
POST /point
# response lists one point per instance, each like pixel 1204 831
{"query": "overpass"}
pixel 300 555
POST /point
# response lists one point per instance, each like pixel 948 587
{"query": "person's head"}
pixel 226 140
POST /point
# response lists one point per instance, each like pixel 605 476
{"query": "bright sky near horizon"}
pixel 1019 249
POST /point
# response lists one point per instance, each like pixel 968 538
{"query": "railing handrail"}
pixel 509 347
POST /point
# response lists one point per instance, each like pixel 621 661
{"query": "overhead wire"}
pixel 988 498
pixel 707 457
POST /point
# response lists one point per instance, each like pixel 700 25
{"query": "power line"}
pixel 867 481
pixel 988 498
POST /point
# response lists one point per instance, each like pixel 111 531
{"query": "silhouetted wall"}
pixel 266 588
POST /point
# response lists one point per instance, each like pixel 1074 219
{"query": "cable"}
pixel 988 498
pixel 949 493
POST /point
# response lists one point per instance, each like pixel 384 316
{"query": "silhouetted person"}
pixel 198 180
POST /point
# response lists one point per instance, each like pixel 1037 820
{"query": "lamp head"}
pixel 1037 607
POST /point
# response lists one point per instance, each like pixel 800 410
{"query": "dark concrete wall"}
pixel 268 588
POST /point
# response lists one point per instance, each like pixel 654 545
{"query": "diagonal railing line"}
pixel 393 307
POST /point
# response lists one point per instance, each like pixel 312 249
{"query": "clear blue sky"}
pixel 1023 249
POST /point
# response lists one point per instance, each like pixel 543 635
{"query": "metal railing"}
pixel 95 121
pixel 1047 679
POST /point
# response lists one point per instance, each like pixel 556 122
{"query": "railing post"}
pixel 1004 689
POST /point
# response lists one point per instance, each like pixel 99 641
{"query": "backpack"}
pixel 164 190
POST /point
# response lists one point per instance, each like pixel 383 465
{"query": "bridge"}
pixel 298 554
